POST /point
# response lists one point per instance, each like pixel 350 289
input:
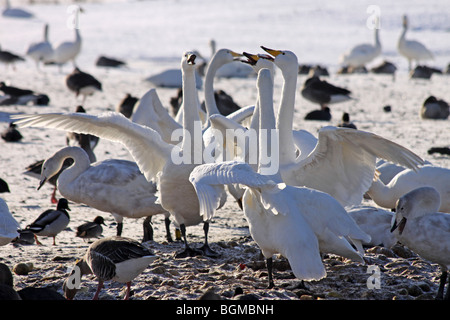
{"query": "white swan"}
pixel 8 225
pixel 362 54
pixel 155 158
pixel 233 69
pixel 386 195
pixel 68 50
pixel 12 12
pixel 294 221
pixel 171 78
pixel 420 226
pixel 376 222
pixel 343 162
pixel 113 185
pixel 411 49
pixel 41 51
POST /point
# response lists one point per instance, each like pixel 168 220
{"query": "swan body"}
pixel 343 162
pixel 363 54
pixel 41 51
pixel 171 78
pixel 154 157
pixel 412 50
pixel 419 225
pixel 12 12
pixel 113 185
pixel 8 225
pixel 386 195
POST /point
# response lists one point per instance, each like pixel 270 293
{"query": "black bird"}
pixel 14 91
pixel 127 104
pixel 51 221
pixel 10 58
pixel 11 134
pixel 346 122
pixel 323 93
pixel 91 229
pixel 103 61
pixel 321 115
pixel 82 83
pixel 4 186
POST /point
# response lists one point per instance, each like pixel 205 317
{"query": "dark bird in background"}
pixel 14 91
pixel 11 134
pixel 4 186
pixel 321 115
pixel 92 229
pixel 51 221
pixel 433 108
pixel 345 123
pixel 324 93
pixel 103 61
pixel 82 83
pixel 9 58
pixel 126 106
pixel 441 150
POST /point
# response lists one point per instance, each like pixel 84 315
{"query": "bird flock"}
pixel 301 195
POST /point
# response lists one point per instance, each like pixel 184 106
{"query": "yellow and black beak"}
pixel 251 58
pixel 272 51
pixel 235 55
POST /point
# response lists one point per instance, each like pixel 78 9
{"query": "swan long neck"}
pixel 285 117
pixel 382 194
pixel 191 118
pixel 210 101
pixel 377 37
pixel 81 164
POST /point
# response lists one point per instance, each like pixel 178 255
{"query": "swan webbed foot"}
pixel 208 252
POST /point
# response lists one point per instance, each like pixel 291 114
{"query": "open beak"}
pixel 400 225
pixel 44 180
pixel 235 55
pixel 191 59
pixel 251 58
pixel 271 51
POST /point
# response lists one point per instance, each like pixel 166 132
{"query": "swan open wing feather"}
pixel 145 145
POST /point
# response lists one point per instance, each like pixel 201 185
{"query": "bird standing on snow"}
pixel 11 134
pixel 419 226
pixel 82 83
pixel 51 221
pixel 91 229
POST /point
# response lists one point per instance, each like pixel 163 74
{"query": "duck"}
pixel 419 225
pixel 323 114
pixel 41 51
pixel 8 225
pixel 423 72
pixel 51 222
pixel 167 164
pixel 386 67
pixel 386 195
pixel 346 123
pixel 82 83
pixel 362 54
pixel 92 229
pixel 433 108
pixel 346 173
pixel 274 209
pixel 113 185
pixel 115 258
pixel 11 134
pixel 412 50
pixel 68 50
pixel 103 61
pixel 8 58
pixel 127 105
pixel 324 93
pixel 14 91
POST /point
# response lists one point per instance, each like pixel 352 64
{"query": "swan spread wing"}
pixel 343 163
pixel 144 144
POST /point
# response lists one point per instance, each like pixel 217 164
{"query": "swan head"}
pixel 188 58
pixel 284 59
pixel 414 204
pixel 259 61
pixel 227 55
pixel 50 167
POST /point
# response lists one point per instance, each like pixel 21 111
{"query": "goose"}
pixel 324 93
pixel 433 108
pixel 11 12
pixel 346 123
pixel 68 50
pixel 51 222
pixel 169 164
pixel 103 61
pixel 41 51
pixel 412 50
pixel 113 185
pixel 14 91
pixel 8 225
pixel 419 225
pixel 386 195
pixel 322 114
pixel 342 163
pixel 9 58
pixel 363 54
pixel 294 221
pixel 117 259
pixel 4 187
pixel 91 229
pixel 11 134
pixel 82 83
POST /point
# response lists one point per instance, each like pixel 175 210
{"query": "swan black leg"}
pixel 148 229
pixel 167 223
pixel 269 263
pixel 119 228
pixel 188 251
pixel 207 251
pixel 443 280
